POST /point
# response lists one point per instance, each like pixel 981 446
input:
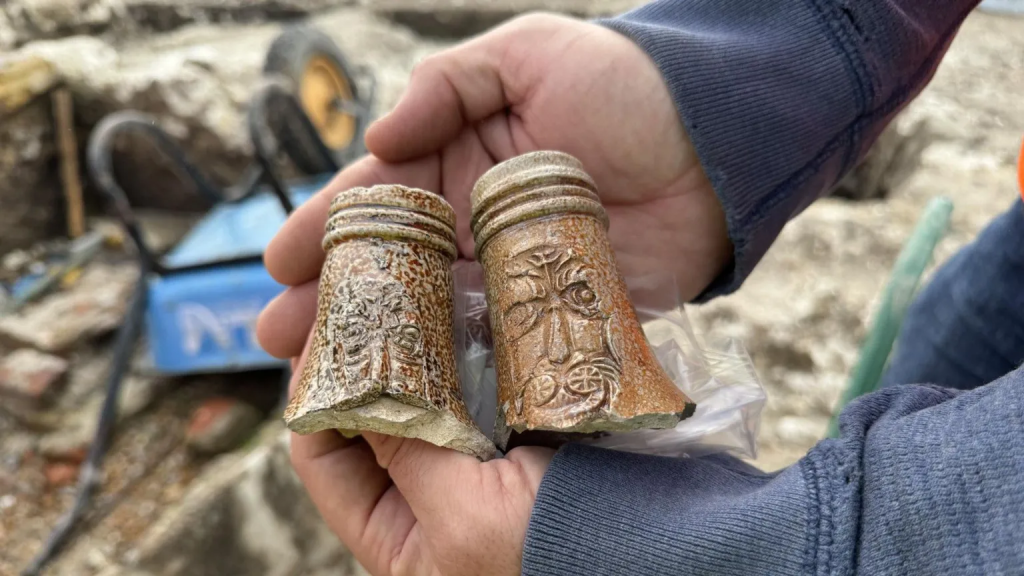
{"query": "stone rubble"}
pixel 245 514
pixel 454 19
pixel 17 445
pixel 77 424
pixel 197 86
pixel 28 378
pixel 94 306
pixel 892 159
pixel 59 474
pixel 24 21
pixel 220 424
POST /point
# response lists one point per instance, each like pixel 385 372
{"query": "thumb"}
pixel 424 474
pixel 447 92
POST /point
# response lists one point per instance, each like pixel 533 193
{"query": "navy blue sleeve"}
pixel 782 97
pixel 922 480
pixel 967 326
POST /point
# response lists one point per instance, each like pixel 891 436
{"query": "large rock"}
pixel 194 92
pixel 94 306
pixel 245 514
pixel 462 18
pixel 22 80
pixel 28 377
pixel 169 14
pixel 220 424
pixel 23 21
pixel 75 424
pixel 197 83
pixel 890 161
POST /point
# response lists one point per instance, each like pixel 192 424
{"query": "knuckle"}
pixel 537 20
pixel 431 65
pixel 406 460
pixel 512 478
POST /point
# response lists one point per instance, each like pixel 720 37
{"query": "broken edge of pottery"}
pixel 382 357
pixel 570 352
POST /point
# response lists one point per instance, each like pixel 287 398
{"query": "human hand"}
pixel 540 82
pixel 408 508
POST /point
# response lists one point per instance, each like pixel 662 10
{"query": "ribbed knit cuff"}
pixel 604 512
pixel 768 92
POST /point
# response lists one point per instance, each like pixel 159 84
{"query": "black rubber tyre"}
pixel 313 65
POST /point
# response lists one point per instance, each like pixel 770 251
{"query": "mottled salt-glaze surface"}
pixel 382 358
pixel 571 355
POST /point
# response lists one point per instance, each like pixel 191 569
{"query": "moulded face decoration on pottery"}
pixel 570 352
pixel 556 322
pixel 379 341
pixel 382 357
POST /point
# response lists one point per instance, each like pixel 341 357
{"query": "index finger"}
pixel 294 256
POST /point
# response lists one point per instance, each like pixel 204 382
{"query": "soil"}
pixel 804 311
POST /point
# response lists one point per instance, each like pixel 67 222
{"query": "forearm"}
pixel 782 98
pixel 922 481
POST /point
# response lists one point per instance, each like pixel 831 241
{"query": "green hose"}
pixel 899 292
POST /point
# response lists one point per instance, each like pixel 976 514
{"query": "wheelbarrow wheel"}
pixel 325 87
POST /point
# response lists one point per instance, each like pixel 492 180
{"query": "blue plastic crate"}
pixel 204 320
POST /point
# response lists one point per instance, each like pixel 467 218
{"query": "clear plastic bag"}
pixel 716 374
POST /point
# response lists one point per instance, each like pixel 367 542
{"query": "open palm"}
pixel 540 82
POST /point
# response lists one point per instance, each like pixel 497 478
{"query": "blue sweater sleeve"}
pixel 923 480
pixel 782 97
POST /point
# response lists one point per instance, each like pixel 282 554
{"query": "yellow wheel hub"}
pixel 323 86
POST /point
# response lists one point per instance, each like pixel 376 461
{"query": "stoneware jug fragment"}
pixel 382 357
pixel 570 353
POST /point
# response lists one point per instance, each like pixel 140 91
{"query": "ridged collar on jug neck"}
pixel 530 186
pixel 392 212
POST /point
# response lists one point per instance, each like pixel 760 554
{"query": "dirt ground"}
pixel 804 311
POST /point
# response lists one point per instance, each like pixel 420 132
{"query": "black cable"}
pixel 101 146
pixel 100 166
pixel 90 475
